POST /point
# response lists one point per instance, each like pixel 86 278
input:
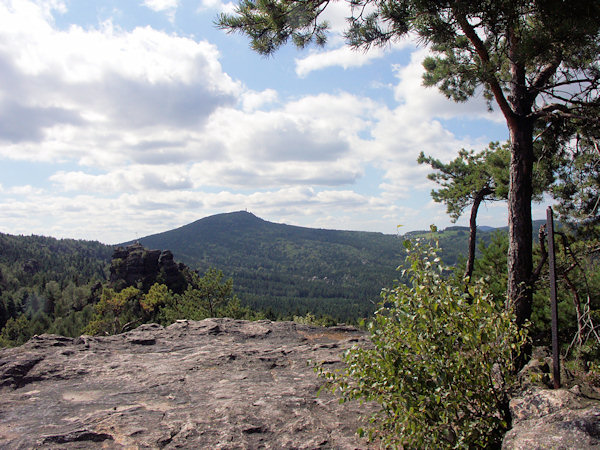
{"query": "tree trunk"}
pixel 473 231
pixel 520 258
pixel 520 191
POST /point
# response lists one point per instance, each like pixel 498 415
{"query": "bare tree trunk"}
pixel 520 251
pixel 473 231
pixel 520 192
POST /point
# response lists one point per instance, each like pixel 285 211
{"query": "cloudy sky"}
pixel 119 119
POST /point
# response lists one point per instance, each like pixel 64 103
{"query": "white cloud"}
pixel 252 100
pixel 133 179
pixel 430 102
pixel 23 190
pixel 163 136
pixel 87 93
pixel 312 141
pixel 336 15
pixel 161 5
pixel 167 6
pixel 219 5
pixel 344 57
pixel 337 53
pixel 48 6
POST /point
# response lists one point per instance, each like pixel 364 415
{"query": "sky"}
pixel 120 119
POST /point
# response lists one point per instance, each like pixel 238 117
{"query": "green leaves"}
pixel 470 174
pixel 115 310
pixel 271 23
pixel 441 362
pixel 208 296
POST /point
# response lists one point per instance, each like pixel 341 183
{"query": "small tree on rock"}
pixel 470 179
pixel 441 366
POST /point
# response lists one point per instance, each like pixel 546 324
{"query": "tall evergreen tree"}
pixel 537 60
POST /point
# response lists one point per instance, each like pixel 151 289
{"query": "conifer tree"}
pixel 469 179
pixel 538 61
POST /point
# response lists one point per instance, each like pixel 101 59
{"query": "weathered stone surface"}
pixel 217 383
pixel 554 419
pixel 135 265
pixel 545 418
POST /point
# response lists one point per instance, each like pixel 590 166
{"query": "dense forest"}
pixel 49 285
pixel 278 271
pixel 261 269
pixel 290 270
pixel 286 269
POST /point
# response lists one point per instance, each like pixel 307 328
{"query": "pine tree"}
pixel 536 60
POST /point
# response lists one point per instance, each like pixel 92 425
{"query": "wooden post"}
pixel 553 301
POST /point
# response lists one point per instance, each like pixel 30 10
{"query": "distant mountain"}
pixel 283 268
pixel 280 269
pixel 289 269
pixel 292 269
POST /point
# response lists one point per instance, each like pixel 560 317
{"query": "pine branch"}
pixel 484 56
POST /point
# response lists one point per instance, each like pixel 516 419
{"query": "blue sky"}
pixel 126 118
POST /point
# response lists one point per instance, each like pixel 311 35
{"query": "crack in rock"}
pixel 77 436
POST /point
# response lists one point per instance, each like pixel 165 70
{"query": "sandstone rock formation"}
pixel 134 264
pixel 554 419
pixel 543 418
pixel 218 383
pixel 222 383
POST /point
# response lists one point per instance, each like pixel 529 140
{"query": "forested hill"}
pixel 27 260
pixel 43 278
pixel 282 269
pixel 289 269
pixel 295 270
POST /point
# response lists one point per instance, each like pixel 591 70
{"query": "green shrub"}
pixel 16 332
pixel 115 311
pixel 310 319
pixel 441 363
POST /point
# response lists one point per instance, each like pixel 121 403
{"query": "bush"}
pixel 311 319
pixel 115 311
pixel 16 331
pixel 441 363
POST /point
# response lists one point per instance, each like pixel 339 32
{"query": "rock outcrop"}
pixel 217 383
pixel 543 418
pixel 133 265
pixel 554 419
pixel 223 383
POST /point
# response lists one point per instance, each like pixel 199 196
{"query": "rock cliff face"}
pixel 134 264
pixel 217 383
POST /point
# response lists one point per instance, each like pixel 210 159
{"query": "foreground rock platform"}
pixel 217 383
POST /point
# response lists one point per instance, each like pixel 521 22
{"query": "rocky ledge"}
pixel 218 383
pixel 223 383
pixel 543 418
pixel 555 419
